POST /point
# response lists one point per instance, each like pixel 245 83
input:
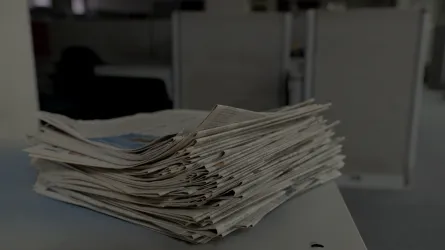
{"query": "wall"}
pixel 18 99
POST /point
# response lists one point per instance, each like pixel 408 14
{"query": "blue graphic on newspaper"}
pixel 127 141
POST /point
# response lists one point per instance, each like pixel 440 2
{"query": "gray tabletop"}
pixel 31 221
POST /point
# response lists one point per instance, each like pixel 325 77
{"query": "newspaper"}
pixel 192 175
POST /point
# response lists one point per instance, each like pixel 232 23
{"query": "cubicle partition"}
pixel 236 59
pixel 369 64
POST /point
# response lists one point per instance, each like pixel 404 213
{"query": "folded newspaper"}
pixel 192 175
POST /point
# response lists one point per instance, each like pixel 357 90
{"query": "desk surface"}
pixel 31 221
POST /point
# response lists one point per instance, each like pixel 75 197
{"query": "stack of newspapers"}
pixel 192 175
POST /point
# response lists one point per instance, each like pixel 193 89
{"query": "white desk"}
pixel 162 72
pixel 31 221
